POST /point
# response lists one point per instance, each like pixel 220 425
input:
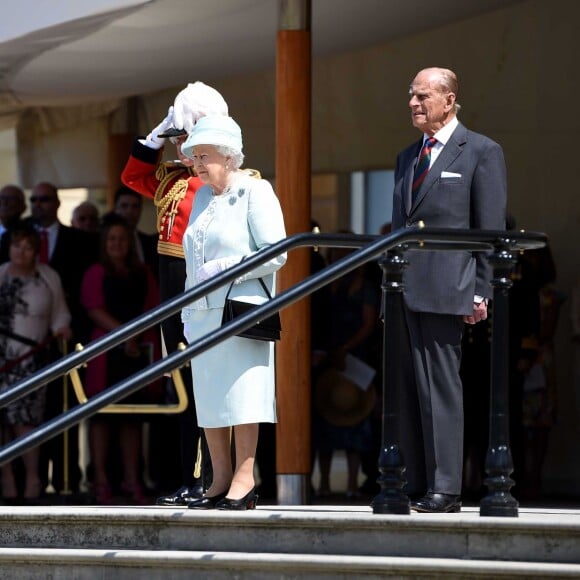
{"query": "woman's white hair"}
pixel 236 157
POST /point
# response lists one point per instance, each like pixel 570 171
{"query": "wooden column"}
pixel 293 118
pixel 120 146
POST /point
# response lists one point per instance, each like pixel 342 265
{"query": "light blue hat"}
pixel 214 130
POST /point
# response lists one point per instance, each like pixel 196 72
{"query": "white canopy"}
pixel 69 53
pixel 64 64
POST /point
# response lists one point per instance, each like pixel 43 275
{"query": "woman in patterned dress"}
pixel 32 309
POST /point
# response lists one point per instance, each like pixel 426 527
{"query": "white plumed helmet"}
pixel 195 101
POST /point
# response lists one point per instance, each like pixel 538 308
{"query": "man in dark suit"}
pixel 70 252
pixel 458 180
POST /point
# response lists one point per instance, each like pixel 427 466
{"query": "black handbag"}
pixel 268 329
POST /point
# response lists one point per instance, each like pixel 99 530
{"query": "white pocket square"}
pixel 447 174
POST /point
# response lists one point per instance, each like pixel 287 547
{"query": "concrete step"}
pixel 549 536
pixel 284 542
pixel 79 564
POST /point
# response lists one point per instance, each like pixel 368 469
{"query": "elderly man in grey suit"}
pixel 455 178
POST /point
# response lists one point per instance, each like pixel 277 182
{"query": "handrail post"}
pixel 391 499
pixel 498 463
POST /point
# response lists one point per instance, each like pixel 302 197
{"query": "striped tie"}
pixel 423 165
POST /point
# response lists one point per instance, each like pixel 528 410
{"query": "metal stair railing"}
pixel 503 244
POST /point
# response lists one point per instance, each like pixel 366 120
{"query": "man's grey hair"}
pixel 449 83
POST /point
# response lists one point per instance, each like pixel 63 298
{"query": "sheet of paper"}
pixel 359 372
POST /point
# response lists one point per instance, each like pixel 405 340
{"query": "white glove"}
pixel 195 101
pixel 214 267
pixel 153 141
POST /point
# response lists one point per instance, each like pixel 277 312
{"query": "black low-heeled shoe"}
pixel 206 503
pixel 434 503
pixel 248 502
pixel 182 497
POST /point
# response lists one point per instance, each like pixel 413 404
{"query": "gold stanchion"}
pixel 180 391
pixel 65 436
pixel 142 408
pixel 198 460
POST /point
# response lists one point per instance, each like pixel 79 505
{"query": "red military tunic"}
pixel 172 187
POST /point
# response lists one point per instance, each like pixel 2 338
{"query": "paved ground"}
pixel 546 506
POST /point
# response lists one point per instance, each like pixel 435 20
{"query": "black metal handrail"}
pixel 373 246
pixel 435 238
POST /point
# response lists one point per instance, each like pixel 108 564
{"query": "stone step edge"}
pixel 274 562
pixel 280 517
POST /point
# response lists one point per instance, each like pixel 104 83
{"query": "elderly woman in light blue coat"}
pixel 233 215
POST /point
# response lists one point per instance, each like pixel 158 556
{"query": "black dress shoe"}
pixel 436 503
pixel 183 496
pixel 248 502
pixel 206 503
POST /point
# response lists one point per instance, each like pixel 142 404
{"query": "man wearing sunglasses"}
pixel 70 252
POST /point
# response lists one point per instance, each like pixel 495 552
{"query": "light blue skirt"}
pixel 233 382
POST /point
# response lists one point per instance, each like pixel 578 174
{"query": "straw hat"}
pixel 340 401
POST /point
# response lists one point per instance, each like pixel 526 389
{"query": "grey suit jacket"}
pixel 445 282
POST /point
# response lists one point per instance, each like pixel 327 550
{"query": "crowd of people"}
pixel 61 284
